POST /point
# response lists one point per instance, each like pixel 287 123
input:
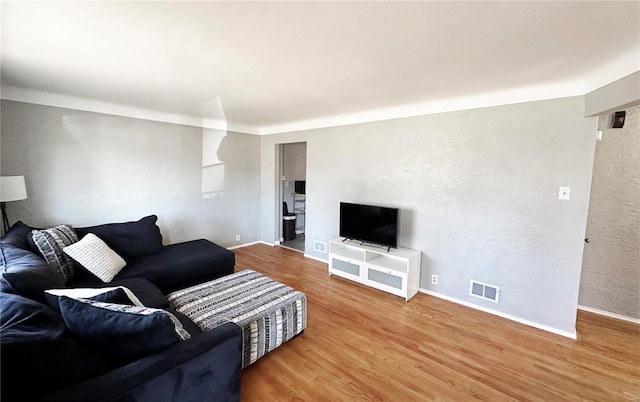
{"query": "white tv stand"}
pixel 396 271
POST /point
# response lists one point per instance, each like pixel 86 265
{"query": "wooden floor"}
pixel 363 344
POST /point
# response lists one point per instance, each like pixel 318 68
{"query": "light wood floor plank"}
pixel 364 344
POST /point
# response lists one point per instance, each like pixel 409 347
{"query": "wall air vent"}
pixel 319 246
pixel 484 291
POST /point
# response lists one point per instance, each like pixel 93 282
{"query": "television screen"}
pixel 369 224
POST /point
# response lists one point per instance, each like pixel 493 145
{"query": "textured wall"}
pixel 611 262
pixel 86 168
pixel 477 192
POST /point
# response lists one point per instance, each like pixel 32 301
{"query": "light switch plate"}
pixel 564 193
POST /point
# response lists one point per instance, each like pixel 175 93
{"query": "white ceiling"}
pixel 270 67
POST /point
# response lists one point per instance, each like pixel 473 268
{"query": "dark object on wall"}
pixel 618 119
pixel 300 186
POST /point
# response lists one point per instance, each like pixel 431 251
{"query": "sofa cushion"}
pixel 181 265
pixel 129 239
pixel 124 332
pixel 146 292
pixel 118 295
pixel 38 357
pixel 206 367
pixel 28 274
pixel 96 257
pixel 17 235
pixel 176 266
pixel 28 323
pixel 50 243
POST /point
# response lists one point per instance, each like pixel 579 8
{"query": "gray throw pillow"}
pixel 50 243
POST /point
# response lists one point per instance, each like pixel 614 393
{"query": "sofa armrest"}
pixel 205 367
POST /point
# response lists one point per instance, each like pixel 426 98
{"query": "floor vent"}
pixel 484 291
pixel 320 246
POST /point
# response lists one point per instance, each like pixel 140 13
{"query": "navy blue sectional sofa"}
pixel 41 359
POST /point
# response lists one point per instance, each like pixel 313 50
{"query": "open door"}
pixel 292 196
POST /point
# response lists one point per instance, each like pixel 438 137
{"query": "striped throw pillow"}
pixel 50 243
pixel 117 294
pixel 94 254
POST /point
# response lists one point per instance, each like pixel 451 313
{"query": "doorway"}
pixel 293 195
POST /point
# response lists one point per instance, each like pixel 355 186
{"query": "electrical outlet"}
pixel 564 193
pixel 434 279
pixel 237 237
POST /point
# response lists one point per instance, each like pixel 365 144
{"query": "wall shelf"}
pixel 299 208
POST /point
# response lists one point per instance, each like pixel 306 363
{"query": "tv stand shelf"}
pixel 396 271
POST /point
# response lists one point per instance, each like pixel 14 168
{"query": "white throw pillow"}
pixel 94 254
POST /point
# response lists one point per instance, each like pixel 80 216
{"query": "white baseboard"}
pixel 608 314
pixel 249 244
pixel 316 258
pixel 274 245
pixel 543 327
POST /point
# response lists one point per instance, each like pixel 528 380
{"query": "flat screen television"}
pixel 369 224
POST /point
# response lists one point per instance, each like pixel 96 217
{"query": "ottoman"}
pixel 268 312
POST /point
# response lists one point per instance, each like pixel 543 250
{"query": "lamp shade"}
pixel 12 188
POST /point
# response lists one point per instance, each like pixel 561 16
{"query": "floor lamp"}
pixel 12 188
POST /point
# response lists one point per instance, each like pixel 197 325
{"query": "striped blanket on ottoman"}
pixel 268 312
